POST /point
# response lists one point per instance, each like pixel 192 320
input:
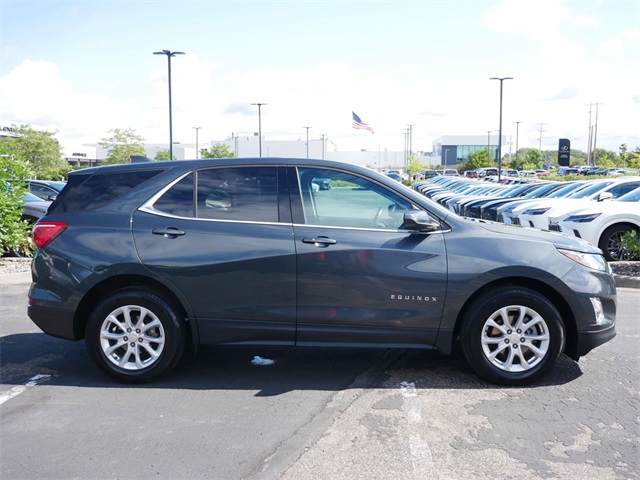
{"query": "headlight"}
pixel 535 211
pixel 582 218
pixel 589 260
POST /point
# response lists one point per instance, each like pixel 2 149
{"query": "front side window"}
pixel 238 193
pixel 340 199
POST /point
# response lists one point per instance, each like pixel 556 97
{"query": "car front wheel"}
pixel 135 336
pixel 512 336
pixel 611 243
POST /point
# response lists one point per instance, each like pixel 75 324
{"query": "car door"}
pixel 223 236
pixel 362 279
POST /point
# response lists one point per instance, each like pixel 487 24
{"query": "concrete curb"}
pixel 627 282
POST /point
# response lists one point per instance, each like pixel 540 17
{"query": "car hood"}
pixel 611 207
pixel 535 234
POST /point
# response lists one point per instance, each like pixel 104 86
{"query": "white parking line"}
pixel 15 391
pixel 421 456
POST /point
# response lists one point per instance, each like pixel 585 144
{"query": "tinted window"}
pixel 178 200
pixel 85 193
pixel 351 201
pixel 622 189
pixel 239 193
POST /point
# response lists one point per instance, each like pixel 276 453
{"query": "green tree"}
pixel 633 160
pixel 121 145
pixel 41 152
pixel 479 159
pixel 623 155
pixel 414 165
pixel 14 233
pixel 219 150
pixel 606 158
pixel 163 155
pixel 530 156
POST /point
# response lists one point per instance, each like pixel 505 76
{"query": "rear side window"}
pixel 82 193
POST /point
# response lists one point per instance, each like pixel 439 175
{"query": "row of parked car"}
pixel 598 211
pixel 40 195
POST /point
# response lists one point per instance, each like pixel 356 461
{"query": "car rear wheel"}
pixel 512 336
pixel 135 336
pixel 611 243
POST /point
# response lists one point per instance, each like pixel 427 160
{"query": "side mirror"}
pixel 52 197
pixel 605 196
pixel 419 221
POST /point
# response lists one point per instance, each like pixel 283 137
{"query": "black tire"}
pixel 488 345
pixel 610 243
pixel 135 336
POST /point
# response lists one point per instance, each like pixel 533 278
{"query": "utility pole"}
pixel 324 136
pixel 410 138
pixel 197 151
pixel 590 135
pixel 540 125
pixel 307 140
pixel 595 136
pixel 517 132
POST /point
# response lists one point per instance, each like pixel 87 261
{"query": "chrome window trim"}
pixel 386 230
pixel 160 213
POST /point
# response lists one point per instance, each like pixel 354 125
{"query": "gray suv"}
pixel 145 259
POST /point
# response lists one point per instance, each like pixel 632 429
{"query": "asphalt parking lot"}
pixel 314 413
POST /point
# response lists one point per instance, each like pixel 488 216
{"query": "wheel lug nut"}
pixel 126 339
pixel 133 344
pixel 518 331
pixel 522 340
pixel 138 330
pixel 506 341
pixel 515 345
pixel 140 340
pixel 509 332
pixel 128 330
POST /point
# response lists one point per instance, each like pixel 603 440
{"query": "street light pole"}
pixel 500 128
pixel 196 129
pixel 259 126
pixel 324 135
pixel 307 140
pixel 169 55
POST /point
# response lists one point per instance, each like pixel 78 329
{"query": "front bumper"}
pixel 587 341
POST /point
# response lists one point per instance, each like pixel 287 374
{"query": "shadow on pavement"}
pixel 23 356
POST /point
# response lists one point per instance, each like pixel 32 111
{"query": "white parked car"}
pixel 537 214
pixel 603 224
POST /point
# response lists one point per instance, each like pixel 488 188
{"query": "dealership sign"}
pixel 564 152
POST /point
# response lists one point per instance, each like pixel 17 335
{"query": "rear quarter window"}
pixel 86 193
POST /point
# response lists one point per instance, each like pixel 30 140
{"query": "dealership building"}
pixel 455 149
pixel 447 150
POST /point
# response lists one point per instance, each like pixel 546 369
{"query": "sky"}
pixel 82 68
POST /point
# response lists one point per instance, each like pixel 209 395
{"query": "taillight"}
pixel 44 233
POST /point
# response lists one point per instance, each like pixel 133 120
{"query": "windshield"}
pixel 566 190
pixel 542 190
pixel 586 192
pixel 632 196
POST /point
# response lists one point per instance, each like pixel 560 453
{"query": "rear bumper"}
pixel 54 322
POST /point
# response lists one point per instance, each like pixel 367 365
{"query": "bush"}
pixel 14 232
pixel 631 243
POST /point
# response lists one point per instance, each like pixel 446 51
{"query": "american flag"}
pixel 359 124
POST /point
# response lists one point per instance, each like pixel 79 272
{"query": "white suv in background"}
pixel 603 224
